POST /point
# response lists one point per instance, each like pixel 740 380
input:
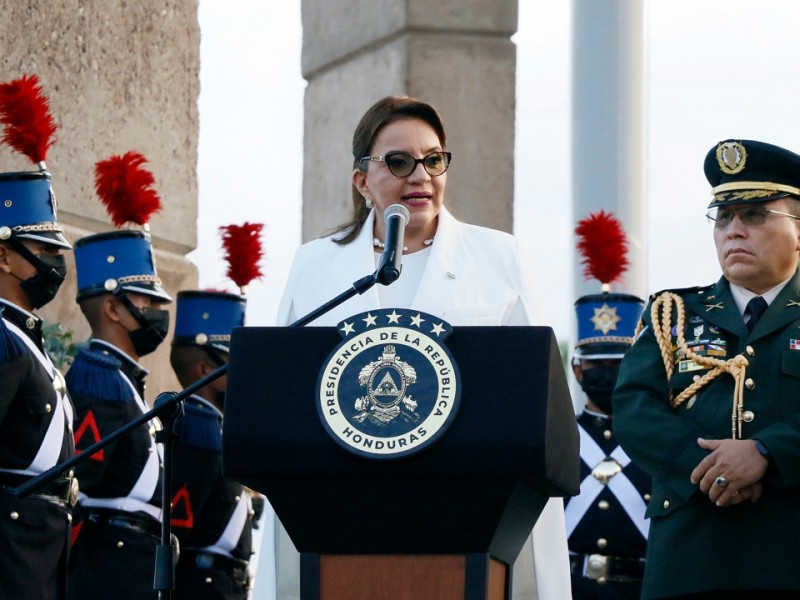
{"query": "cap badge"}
pixel 605 318
pixel 731 157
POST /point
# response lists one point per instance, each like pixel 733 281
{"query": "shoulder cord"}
pixel 735 366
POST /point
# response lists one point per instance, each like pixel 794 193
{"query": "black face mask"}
pixel 219 398
pixel 50 274
pixel 152 332
pixel 598 384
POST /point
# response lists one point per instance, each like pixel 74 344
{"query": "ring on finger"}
pixel 721 481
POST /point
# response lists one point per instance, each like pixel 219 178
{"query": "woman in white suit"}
pixel 465 274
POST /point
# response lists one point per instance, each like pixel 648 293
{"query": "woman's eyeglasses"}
pixel 749 215
pixel 401 164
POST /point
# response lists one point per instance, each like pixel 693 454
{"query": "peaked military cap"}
pixel 28 208
pixel 117 261
pixel 747 171
pixel 206 318
pixel 606 324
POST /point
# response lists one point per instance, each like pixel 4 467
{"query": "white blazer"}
pixel 474 276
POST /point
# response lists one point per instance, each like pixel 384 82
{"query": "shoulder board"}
pixel 682 291
pixel 97 374
pixel 200 427
pixel 10 345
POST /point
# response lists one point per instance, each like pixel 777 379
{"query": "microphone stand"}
pixel 169 408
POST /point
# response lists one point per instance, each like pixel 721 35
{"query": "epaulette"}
pixel 199 428
pixel 10 345
pixel 682 291
pixel 97 374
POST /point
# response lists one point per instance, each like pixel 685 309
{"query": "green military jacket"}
pixel 695 545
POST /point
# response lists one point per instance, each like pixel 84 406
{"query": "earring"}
pixel 368 202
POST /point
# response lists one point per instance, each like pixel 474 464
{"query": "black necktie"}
pixel 755 308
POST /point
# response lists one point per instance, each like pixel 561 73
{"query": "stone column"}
pixel 455 54
pixel 608 145
pixel 120 76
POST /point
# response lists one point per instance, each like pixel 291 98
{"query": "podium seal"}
pixel 390 388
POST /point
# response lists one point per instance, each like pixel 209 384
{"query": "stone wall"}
pixel 120 75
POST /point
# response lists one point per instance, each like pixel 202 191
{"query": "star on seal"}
pixel 605 318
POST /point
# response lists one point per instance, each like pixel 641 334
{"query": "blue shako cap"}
pixel 108 262
pixel 206 318
pixel 28 208
pixel 606 324
pixel 747 172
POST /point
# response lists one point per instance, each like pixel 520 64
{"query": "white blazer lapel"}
pixel 443 273
pixel 356 260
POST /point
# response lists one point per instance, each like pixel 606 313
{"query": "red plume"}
pixel 604 247
pixel 25 114
pixel 124 186
pixel 242 245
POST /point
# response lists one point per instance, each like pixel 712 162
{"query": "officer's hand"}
pixel 737 462
pixel 751 492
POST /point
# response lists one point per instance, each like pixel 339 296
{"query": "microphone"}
pixel 396 218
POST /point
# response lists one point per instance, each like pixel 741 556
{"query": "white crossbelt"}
pixel 50 450
pixel 145 487
pixel 622 488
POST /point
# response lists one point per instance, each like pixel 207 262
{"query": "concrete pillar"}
pixel 454 54
pixel 120 76
pixel 608 146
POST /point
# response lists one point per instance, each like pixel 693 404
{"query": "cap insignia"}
pixel 605 318
pixel 731 157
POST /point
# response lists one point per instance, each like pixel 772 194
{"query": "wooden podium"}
pixel 446 522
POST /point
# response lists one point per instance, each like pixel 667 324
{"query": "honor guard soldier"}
pixel 211 514
pixel 120 295
pixel 606 525
pixel 35 412
pixel 708 396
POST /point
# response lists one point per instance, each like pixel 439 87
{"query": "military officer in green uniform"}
pixel 708 396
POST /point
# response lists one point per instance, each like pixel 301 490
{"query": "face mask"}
pixel 50 274
pixel 598 384
pixel 154 327
pixel 219 398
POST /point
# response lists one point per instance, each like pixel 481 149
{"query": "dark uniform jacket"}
pixel 34 531
pixel 211 514
pixel 695 545
pixel 607 517
pixel 120 501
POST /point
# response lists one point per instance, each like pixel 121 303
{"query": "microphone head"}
pixel 394 210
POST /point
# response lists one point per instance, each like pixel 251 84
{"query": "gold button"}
pixel 237 498
pixel 602 543
pixel 30 323
pixel 750 351
pixel 120 544
pixel 607 434
pixel 748 416
pixel 666 503
pixel 602 505
pixel 696 377
pixel 209 580
pixel 749 384
pixel 601 580
pixel 647 497
pixel 8 203
pixel 48 408
pixel 14 515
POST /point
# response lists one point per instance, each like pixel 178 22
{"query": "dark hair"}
pixel 380 114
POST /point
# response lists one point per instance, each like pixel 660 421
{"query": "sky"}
pixel 715 69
